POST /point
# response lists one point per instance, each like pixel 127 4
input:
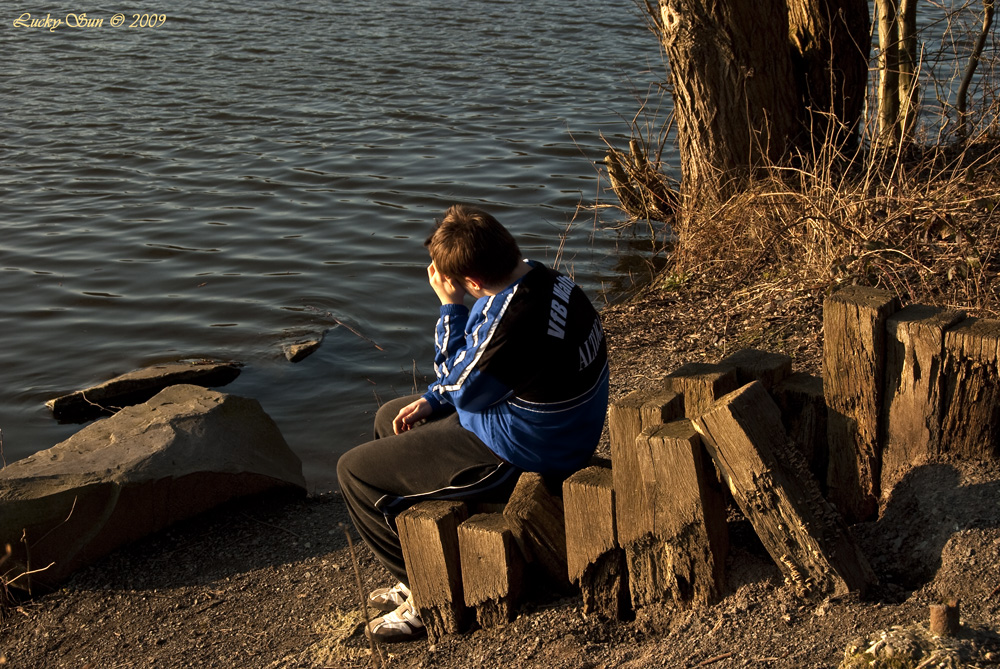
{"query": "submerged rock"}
pixel 184 451
pixel 301 349
pixel 138 386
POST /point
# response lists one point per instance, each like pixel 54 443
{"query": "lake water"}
pixel 240 174
pixel 215 185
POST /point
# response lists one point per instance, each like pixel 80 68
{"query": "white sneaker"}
pixel 402 624
pixel 388 599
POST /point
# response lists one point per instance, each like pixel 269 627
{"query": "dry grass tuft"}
pixel 923 226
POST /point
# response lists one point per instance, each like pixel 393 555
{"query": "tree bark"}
pixel 897 67
pixel 734 91
pixel 830 49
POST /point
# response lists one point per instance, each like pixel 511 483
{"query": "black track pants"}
pixel 438 459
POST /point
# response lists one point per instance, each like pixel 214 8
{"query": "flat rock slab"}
pixel 137 387
pixel 183 452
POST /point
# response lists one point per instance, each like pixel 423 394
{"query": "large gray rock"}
pixel 184 451
pixel 138 386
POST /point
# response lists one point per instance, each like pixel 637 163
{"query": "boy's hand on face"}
pixel 447 290
pixel 410 415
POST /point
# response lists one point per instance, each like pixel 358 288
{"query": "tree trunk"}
pixel 830 49
pixel 734 92
pixel 897 66
pixel 970 70
pixel 908 89
pixel 756 82
pixel 888 67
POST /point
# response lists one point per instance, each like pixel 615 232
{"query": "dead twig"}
pixel 375 648
pixel 30 572
pixel 277 527
pixel 713 660
pixel 340 322
pixel 109 409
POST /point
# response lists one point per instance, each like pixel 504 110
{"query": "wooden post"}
pixel 626 419
pixel 535 517
pixel 753 365
pixel 492 568
pixel 595 561
pixel 701 384
pixel 945 619
pixel 914 388
pixel 803 413
pixel 854 320
pixel 971 425
pixel 677 545
pixel 661 407
pixel 428 533
pixel 769 479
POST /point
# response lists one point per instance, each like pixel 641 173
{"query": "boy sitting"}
pixel 521 384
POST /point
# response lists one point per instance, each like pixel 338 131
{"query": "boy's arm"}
pixel 449 344
pixel 461 357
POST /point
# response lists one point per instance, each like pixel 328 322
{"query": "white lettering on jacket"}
pixel 558 310
pixel 590 347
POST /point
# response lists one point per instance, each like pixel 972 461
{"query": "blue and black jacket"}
pixel 527 371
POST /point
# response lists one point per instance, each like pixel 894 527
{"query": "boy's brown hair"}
pixel 468 242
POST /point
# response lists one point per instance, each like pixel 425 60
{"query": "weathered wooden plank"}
pixel 701 384
pixel 681 549
pixel 971 423
pixel 755 365
pixel 769 479
pixel 588 501
pixel 595 561
pixel 803 413
pixel 854 320
pixel 535 517
pixel 428 533
pixel 625 422
pixel 914 387
pixel 492 568
pixel 661 407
